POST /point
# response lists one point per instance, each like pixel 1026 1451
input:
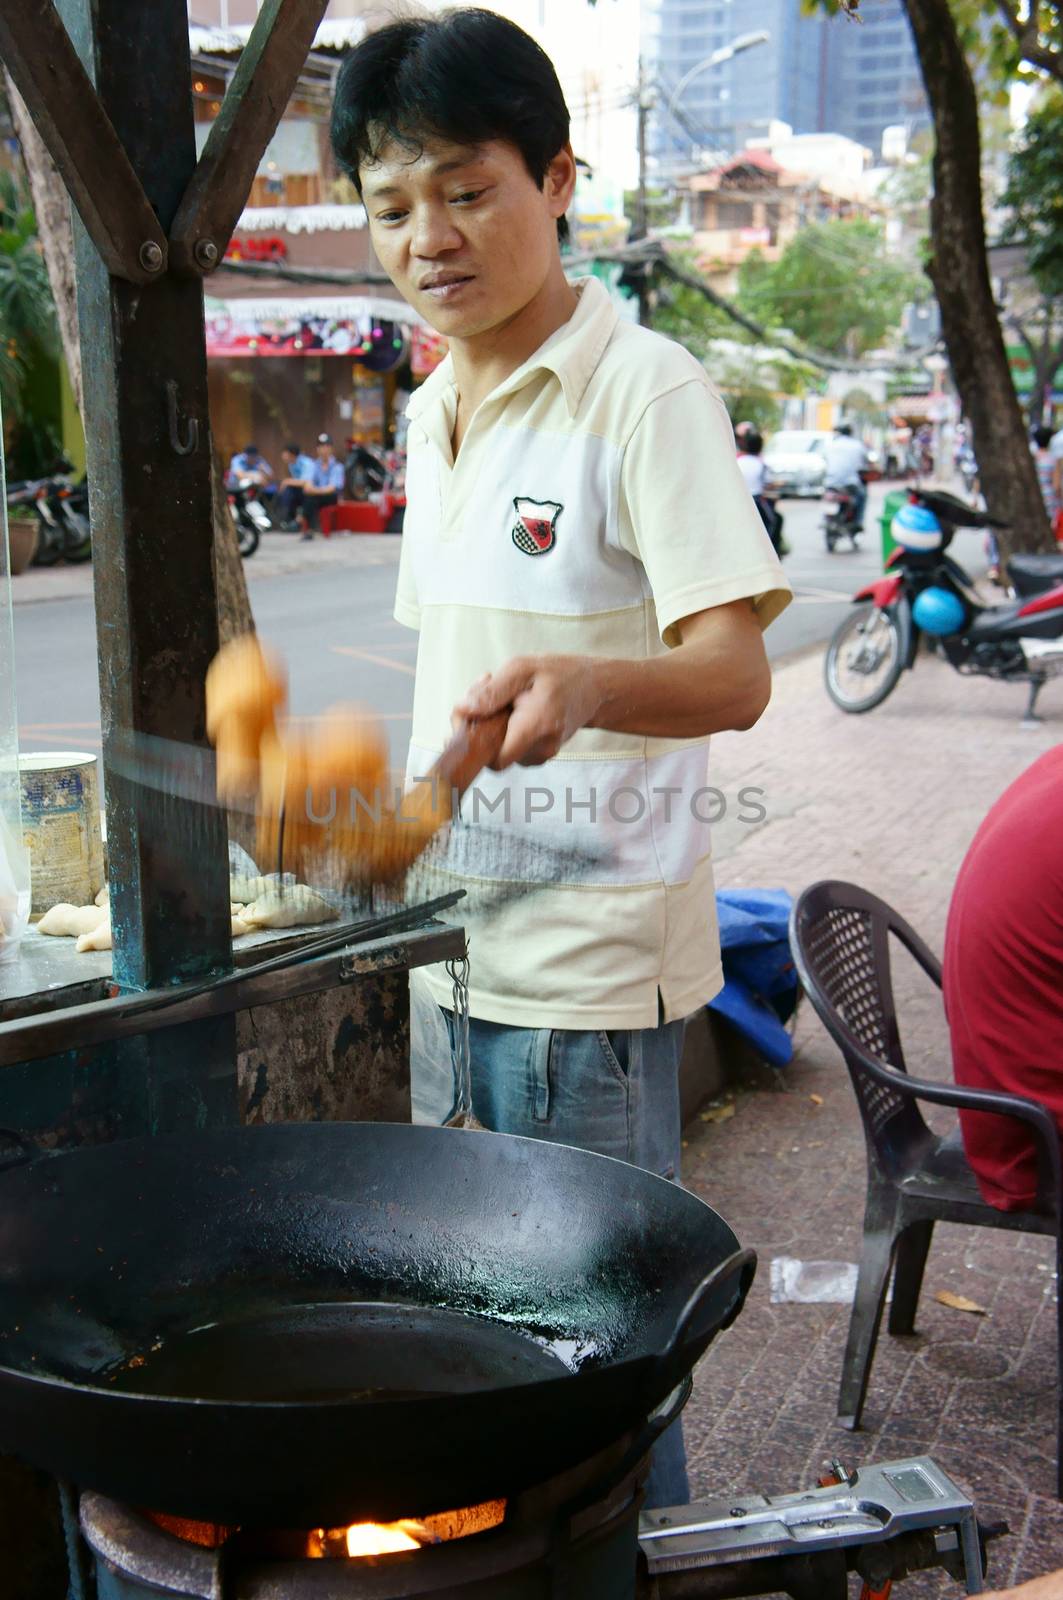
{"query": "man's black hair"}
pixel 293 449
pixel 468 76
pixel 751 441
pixel 1042 437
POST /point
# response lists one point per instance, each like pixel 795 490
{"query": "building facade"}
pixel 818 74
pixel 725 105
pixel 872 76
pixel 761 198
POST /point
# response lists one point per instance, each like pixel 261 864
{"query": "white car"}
pixel 796 462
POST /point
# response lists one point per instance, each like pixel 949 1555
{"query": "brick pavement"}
pixel 889 800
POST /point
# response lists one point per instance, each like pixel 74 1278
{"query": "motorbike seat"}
pixel 1033 574
pixel 990 621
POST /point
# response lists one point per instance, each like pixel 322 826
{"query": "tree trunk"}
pixel 51 204
pixel 234 606
pixel 959 271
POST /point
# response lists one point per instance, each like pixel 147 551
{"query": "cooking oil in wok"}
pixel 338 1351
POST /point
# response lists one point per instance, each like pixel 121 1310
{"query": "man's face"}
pixel 288 457
pixel 324 453
pixel 464 232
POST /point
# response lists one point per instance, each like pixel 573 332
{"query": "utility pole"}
pixel 640 230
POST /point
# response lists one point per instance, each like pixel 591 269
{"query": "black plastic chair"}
pixel 840 936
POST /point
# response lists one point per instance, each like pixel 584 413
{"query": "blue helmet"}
pixel 939 611
pixel 916 528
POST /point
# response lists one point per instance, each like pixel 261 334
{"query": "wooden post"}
pixel 149 456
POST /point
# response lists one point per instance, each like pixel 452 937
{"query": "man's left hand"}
pixel 549 698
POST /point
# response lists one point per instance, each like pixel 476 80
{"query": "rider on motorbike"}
pixel 846 458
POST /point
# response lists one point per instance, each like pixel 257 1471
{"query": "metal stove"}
pixel 568 1540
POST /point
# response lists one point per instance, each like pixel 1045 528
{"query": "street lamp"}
pixel 745 41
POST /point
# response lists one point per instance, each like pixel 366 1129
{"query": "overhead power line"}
pixel 649 253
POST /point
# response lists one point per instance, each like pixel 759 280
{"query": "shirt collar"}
pixel 572 353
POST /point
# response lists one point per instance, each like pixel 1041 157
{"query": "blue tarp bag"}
pixel 760 989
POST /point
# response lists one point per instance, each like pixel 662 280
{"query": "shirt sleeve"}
pixel 407 609
pixel 687 515
pixel 336 475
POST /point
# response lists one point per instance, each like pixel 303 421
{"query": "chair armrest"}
pixel 994 1102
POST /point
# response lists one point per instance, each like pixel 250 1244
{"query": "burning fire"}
pixel 359 1541
pixel 382 1538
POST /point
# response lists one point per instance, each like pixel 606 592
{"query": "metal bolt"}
pixel 206 253
pixel 737 1511
pixel 151 256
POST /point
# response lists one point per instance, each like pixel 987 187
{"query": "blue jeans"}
pixel 616 1093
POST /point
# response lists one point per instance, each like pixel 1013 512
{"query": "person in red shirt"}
pixel 1004 976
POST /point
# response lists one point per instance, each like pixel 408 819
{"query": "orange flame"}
pixel 383 1538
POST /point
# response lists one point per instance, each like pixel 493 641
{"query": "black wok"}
pixel 309 1324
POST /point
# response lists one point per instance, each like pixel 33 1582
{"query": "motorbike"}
pixel 379 475
pixel 968 468
pixel 926 592
pixel 839 518
pixel 250 516
pixel 61 509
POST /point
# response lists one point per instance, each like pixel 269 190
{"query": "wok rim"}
pixel 206 1405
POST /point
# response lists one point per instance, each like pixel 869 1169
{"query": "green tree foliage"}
pixel 27 314
pixel 834 287
pixel 686 316
pixel 1034 195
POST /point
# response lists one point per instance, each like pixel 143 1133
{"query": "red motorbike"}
pixel 925 591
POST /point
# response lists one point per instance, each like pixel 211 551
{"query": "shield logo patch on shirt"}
pixel 535 530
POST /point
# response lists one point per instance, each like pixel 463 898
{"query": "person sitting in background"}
pixel 248 463
pixel 846 459
pixel 750 444
pixel 298 468
pixel 1003 976
pixel 324 484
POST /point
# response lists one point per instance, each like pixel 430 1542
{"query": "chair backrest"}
pixel 840 936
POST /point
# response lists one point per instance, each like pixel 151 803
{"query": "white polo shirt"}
pixel 595 502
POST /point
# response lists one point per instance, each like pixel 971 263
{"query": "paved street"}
pixel 327 607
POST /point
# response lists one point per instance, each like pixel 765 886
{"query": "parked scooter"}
pixel 926 591
pixel 62 518
pixel 248 513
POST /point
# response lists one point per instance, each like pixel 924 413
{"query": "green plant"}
pixel 27 313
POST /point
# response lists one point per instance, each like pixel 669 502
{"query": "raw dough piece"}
pixel 70 921
pixel 104 896
pixel 243 890
pixel 98 939
pixel 239 926
pixel 289 908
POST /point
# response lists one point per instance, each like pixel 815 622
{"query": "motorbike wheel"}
pixel 77 542
pixel 830 538
pixel 864 659
pixel 247 537
pixel 49 549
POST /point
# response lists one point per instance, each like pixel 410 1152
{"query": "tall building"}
pixel 818 74
pixel 872 80
pixel 726 104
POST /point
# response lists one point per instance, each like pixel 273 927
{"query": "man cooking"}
pixel 580 553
